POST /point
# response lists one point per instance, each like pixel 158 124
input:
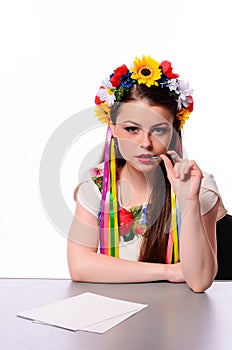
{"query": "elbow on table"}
pixel 200 286
pixel 80 262
pixel 203 282
pixel 75 276
pixel 78 273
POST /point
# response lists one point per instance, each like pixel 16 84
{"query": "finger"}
pixel 174 155
pixel 167 163
pixel 195 169
pixel 182 169
pixel 186 170
pixel 194 165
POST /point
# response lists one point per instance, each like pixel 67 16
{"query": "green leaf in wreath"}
pixel 128 236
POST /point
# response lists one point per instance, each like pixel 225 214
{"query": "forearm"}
pixel 89 266
pixel 197 256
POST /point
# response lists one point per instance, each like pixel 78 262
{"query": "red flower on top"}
pixel 167 70
pixel 126 220
pixel 118 73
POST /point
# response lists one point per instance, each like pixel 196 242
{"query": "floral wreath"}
pixel 146 71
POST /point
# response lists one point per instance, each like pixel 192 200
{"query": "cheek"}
pixel 161 144
pixel 126 147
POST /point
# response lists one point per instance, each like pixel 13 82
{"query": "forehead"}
pixel 142 113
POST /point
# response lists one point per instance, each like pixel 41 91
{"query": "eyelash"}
pixel 158 130
pixel 131 129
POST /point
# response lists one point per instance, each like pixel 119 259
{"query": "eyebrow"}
pixel 155 125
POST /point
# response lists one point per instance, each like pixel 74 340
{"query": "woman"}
pixel 145 214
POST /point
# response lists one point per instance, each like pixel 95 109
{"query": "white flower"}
pixel 106 93
pixel 173 85
pixel 184 103
pixel 185 93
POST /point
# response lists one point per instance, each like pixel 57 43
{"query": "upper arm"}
pixel 84 229
pixel 83 238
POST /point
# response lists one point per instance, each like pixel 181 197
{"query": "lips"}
pixel 145 156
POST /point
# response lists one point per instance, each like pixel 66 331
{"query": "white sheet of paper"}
pixel 88 312
pixel 104 326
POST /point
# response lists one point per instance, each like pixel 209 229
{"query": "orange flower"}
pixel 183 115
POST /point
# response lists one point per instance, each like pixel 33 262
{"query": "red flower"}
pixel 190 107
pixel 139 230
pixel 97 99
pixel 126 220
pixel 118 73
pixel 167 70
pixel 121 70
pixel 115 80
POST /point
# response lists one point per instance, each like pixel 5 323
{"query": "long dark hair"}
pixel 154 243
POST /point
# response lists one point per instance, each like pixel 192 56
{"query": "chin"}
pixel 144 168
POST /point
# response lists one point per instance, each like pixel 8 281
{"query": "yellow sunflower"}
pixel 146 71
pixel 183 115
pixel 102 112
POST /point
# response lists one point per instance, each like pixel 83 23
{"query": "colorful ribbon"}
pixel 109 231
pixel 172 255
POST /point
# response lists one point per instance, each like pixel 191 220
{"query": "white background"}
pixel 54 55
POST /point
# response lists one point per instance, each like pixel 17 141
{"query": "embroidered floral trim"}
pixel 132 221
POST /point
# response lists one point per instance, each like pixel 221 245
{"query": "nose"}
pixel 145 141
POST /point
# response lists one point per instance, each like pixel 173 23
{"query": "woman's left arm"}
pixel 198 255
pixel 198 247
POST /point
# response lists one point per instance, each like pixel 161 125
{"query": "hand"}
pixel 175 273
pixel 185 176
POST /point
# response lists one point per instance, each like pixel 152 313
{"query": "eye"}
pixel 132 129
pixel 160 130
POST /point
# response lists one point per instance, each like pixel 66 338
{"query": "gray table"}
pixel 176 318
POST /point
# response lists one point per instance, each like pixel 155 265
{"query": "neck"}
pixel 135 185
pixel 136 177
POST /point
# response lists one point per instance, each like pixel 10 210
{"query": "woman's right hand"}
pixel 185 177
pixel 175 273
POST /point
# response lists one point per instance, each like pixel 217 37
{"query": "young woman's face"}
pixel 143 131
